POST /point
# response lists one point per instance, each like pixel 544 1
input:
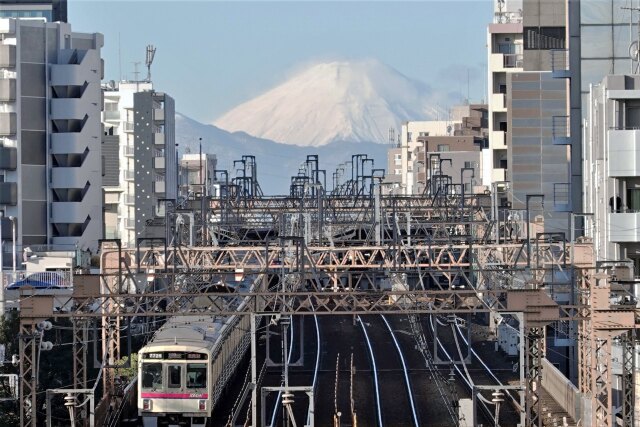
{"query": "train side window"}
pixel 196 375
pixel 175 376
pixel 152 375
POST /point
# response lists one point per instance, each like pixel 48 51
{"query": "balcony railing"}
pixel 129 223
pixel 128 126
pixel 112 115
pixel 129 150
pixel 129 175
pixel 561 130
pixel 513 60
pixel 560 63
pixel 129 199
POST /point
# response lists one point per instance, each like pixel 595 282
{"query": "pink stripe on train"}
pixel 147 395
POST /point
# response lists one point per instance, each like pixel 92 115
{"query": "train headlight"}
pixel 146 404
pixel 202 405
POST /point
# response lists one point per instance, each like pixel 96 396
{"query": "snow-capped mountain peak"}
pixel 355 101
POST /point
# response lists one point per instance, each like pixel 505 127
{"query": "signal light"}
pixel 202 405
pixel 146 404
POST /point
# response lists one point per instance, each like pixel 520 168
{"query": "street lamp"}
pixel 529 197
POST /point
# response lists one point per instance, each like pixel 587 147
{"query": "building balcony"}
pixel 158 139
pixel 129 175
pixel 624 227
pixel 129 223
pixel 8 158
pixel 498 175
pixel 128 126
pixel 159 162
pixel 129 150
pixel 498 139
pixel 7 90
pixel 159 187
pixel 158 114
pixel 7 56
pixel 112 116
pixel 623 153
pixel 498 102
pixel 68 212
pixel 561 130
pixel 129 199
pixel 8 193
pixel 7 124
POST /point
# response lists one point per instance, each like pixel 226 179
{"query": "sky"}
pixel 213 55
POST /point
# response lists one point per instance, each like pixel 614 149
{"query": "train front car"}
pixel 175 372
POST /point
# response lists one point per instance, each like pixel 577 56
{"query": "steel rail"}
pixel 406 373
pixel 375 373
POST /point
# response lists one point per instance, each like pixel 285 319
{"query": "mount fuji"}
pixel 340 101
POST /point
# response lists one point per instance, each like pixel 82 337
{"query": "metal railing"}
pixel 128 126
pixel 129 199
pixel 513 60
pixel 129 223
pixel 129 150
pixel 129 175
pixel 559 59
pixel 56 278
pixel 561 126
pixel 561 193
pixel 507 17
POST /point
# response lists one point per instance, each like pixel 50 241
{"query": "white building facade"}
pixel 119 186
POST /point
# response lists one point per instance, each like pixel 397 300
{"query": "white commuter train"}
pixel 183 370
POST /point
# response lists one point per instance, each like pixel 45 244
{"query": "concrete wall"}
pixel 54 94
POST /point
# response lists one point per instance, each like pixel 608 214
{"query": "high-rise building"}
pixel 155 162
pixel 118 152
pixel 51 10
pixel 534 108
pixel 50 103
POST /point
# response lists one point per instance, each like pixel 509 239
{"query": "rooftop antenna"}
pixel 151 53
pixel 392 136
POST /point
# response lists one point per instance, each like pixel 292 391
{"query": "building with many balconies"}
pixel 50 134
pixel 118 152
pixel 155 162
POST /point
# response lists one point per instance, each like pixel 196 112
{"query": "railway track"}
pixel 454 346
pixel 395 402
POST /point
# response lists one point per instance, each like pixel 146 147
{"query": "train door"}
pixel 175 388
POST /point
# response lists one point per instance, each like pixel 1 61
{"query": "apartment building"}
pixel 505 55
pixel 118 152
pixel 197 170
pixel 50 134
pixel 155 163
pixel 406 169
pixel 534 108
pixel 51 10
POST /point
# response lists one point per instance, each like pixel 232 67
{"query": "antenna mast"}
pixel 151 53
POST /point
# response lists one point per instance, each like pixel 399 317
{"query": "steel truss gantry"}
pixel 442 246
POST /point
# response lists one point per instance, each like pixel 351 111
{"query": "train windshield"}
pixel 175 374
pixel 152 375
pixel 196 375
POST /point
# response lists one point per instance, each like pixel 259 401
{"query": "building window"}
pixel 408 136
pixel 424 134
pixel 544 38
pixel 443 147
pixel 469 164
pixel 397 171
